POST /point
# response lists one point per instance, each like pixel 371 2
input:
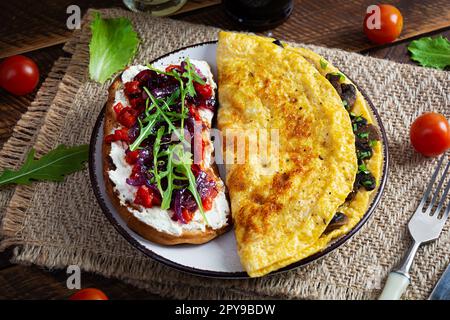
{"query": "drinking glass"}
pixel 259 14
pixel 155 7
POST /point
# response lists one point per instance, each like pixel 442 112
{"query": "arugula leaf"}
pixel 156 147
pixel 167 194
pixel 183 162
pixel 170 73
pixel 113 45
pixel 191 76
pixel 144 132
pixel 177 161
pixel 428 52
pixel 163 115
pixel 53 166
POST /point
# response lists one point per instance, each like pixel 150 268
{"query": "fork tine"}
pixel 430 185
pixel 446 213
pixel 442 201
pixel 436 192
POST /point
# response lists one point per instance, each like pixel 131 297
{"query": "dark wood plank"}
pixel 31 25
pixel 193 5
pixel 323 22
pixel 5 256
pixel 30 282
pixel 399 52
pixel 12 107
pixel 339 23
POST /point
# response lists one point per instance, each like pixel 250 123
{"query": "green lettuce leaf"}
pixel 53 166
pixel 113 45
pixel 434 53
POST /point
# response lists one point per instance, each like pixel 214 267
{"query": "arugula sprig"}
pixel 145 131
pixel 176 159
pixel 183 162
pixel 53 166
pixel 191 75
pixel 156 147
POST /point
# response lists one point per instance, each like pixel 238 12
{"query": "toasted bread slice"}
pixel 126 210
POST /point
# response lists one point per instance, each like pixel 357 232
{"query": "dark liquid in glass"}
pixel 259 14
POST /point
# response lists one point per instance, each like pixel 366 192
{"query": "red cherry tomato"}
pixel 187 216
pixel 127 117
pixel 389 26
pixel 430 134
pixel 146 197
pixel 89 294
pixel 19 75
pixel 204 90
pixel 132 157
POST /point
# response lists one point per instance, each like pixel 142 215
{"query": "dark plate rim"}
pixel 236 275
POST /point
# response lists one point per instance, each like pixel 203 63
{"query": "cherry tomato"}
pixel 132 157
pixel 127 117
pixel 89 294
pixel 390 24
pixel 430 134
pixel 19 75
pixel 204 90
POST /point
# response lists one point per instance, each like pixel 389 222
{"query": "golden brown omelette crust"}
pixel 144 230
pixel 279 214
pixel 356 208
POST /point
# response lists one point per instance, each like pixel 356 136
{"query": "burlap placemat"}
pixel 59 224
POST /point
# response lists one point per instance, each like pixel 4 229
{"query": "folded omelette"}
pixel 320 180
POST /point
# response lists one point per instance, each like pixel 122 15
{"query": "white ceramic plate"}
pixel 217 258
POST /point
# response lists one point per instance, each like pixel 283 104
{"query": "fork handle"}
pixel 398 280
pixel 395 286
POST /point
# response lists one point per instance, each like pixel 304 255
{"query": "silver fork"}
pixel 425 226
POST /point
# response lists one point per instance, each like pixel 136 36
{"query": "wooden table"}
pixel 41 37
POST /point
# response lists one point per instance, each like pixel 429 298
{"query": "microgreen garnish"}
pixel 174 159
pixel 191 75
pixel 367 183
pixel 169 174
pixel 160 112
pixel 323 64
pixel 183 166
pixel 145 131
pixel 341 76
pixel 171 73
pixel 363 135
pixel 363 154
pixel 156 146
pixel 345 104
pixel 363 169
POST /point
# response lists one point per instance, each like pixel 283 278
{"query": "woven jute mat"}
pixel 59 224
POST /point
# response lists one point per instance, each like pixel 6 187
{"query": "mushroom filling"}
pixel 366 137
